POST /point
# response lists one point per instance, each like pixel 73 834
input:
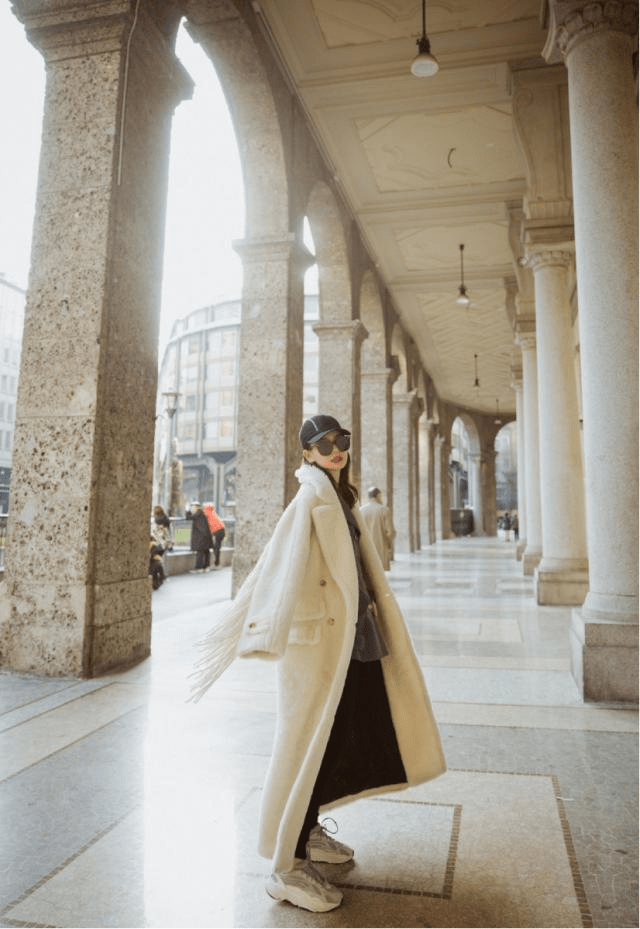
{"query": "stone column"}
pixel 404 471
pixel 376 463
pixel 597 40
pixel 475 492
pixel 561 576
pixel 76 597
pixel 526 339
pixel 516 383
pixel 488 505
pixel 270 390
pixel 425 447
pixel 441 482
pixel 339 379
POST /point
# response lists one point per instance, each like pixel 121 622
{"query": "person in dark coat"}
pixel 201 538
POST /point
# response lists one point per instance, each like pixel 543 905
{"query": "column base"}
pixel 561 585
pixel 531 558
pixel 604 652
pixel 520 549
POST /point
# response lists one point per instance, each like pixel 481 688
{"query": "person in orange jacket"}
pixel 218 530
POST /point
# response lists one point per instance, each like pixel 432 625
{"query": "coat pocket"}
pixel 305 632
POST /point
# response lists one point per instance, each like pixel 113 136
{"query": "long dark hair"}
pixel 344 488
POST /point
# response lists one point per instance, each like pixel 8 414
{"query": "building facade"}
pixel 198 442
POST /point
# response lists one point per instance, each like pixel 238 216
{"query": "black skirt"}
pixel 362 752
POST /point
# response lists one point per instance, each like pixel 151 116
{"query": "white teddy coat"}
pixel 300 605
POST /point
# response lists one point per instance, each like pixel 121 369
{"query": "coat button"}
pixel 323 583
pixel 331 621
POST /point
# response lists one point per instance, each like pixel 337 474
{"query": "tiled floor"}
pixel 121 804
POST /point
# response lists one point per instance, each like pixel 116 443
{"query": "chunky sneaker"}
pixel 305 887
pixel 323 847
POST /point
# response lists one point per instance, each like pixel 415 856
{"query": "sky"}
pixel 205 209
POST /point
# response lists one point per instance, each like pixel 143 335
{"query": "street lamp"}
pixel 170 407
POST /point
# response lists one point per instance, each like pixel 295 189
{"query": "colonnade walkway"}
pixel 121 804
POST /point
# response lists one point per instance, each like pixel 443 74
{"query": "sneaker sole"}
pixel 299 900
pixel 328 858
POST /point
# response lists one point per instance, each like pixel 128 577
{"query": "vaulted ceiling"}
pixel 426 164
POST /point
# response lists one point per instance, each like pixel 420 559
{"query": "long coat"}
pixel 300 605
pixel 201 539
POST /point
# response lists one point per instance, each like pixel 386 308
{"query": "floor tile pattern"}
pixel 123 804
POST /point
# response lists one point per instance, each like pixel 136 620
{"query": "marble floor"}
pixel 122 804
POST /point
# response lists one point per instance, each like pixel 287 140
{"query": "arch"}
pixel 246 83
pixel 334 278
pixel 399 353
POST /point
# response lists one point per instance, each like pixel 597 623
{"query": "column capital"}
pixel 571 21
pixel 354 329
pixel 548 257
pixel 273 248
pixel 409 399
pixel 379 374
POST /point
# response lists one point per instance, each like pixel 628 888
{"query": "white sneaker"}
pixel 323 847
pixel 305 887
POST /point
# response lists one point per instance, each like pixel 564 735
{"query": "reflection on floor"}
pixel 123 805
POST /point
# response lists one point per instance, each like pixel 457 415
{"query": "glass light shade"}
pixel 463 300
pixel 424 65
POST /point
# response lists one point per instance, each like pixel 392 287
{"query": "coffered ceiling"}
pixel 425 163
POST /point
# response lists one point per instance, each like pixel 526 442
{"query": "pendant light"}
pixel 424 64
pixel 476 383
pixel 497 421
pixel 463 299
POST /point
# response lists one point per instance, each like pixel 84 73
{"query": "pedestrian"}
pixel 218 530
pixel 201 539
pixel 355 716
pixel 377 519
pixel 161 529
pixel 156 567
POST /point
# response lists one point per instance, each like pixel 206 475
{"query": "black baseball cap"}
pixel 316 427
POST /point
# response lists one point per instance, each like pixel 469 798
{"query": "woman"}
pixel 354 714
pixel 218 530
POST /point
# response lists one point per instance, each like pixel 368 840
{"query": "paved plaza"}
pixel 123 804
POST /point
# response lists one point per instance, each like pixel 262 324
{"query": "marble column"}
pixel 475 491
pixel 441 488
pixel 516 383
pixel 270 390
pixel 597 40
pixel 404 471
pixel 488 504
pixel 339 379
pixel 425 457
pixel 562 575
pixel 76 598
pixel 526 339
pixel 376 460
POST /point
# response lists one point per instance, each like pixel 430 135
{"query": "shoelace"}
pixel 326 830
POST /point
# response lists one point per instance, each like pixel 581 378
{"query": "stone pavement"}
pixel 122 804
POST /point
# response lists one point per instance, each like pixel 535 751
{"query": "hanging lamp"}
pixel 476 383
pixel 463 299
pixel 497 421
pixel 424 64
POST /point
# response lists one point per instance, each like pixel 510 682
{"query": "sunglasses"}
pixel 341 442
